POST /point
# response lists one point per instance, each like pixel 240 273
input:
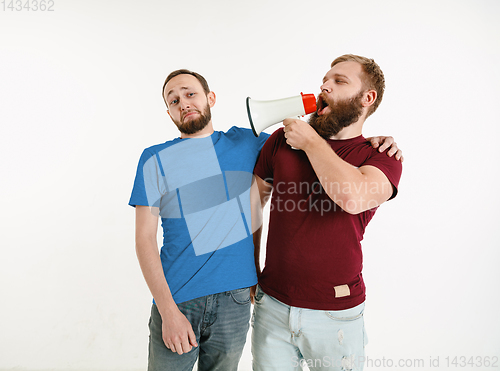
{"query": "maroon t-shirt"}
pixel 313 246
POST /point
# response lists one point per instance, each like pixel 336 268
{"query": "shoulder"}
pixel 156 149
pixel 391 167
pixel 375 156
pixel 358 151
pixel 275 142
pixel 237 132
pixel 276 139
pixel 277 136
pixel 246 135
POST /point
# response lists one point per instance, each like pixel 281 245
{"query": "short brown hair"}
pixel 184 71
pixel 373 77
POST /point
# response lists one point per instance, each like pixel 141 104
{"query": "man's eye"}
pixel 339 81
pixel 190 94
pixel 174 101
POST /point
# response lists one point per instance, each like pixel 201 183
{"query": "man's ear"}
pixel 170 115
pixel 211 99
pixel 369 97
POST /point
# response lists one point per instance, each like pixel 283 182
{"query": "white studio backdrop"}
pixel 80 98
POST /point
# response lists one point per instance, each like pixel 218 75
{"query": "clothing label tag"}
pixel 341 291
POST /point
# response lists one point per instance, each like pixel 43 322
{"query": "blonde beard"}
pixel 196 125
pixel 343 114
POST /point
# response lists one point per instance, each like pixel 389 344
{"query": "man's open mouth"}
pixel 321 105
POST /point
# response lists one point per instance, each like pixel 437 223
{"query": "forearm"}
pixel 150 262
pixel 354 189
pixel 259 195
pixel 342 182
pixel 256 243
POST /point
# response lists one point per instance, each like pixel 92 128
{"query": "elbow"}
pixel 354 204
pixel 352 210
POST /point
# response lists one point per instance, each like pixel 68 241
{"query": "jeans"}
pixel 220 323
pixel 285 337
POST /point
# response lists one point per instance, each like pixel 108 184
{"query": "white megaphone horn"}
pixel 265 113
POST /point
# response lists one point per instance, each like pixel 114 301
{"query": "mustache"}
pixel 188 112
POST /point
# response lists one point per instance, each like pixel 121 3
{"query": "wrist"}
pixel 167 308
pixel 315 142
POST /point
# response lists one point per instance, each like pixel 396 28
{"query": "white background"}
pixel 80 98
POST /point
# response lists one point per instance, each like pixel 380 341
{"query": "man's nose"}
pixel 184 104
pixel 326 88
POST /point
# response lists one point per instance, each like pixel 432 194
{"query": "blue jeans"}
pixel 284 337
pixel 220 323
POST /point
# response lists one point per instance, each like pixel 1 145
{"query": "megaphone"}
pixel 265 113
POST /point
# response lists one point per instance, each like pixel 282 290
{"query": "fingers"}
pixel 382 143
pixel 396 152
pixel 286 130
pixel 392 151
pixel 386 143
pixel 192 338
pixel 399 155
pixel 287 126
pixel 185 347
pixel 375 141
pixel 180 347
pixel 252 293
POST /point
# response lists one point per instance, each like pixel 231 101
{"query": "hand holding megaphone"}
pixel 265 113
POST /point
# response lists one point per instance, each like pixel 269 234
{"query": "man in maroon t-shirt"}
pixel 327 183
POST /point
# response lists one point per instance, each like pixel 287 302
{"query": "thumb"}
pixel 192 338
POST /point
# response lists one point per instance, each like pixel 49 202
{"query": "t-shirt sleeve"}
pixel 264 168
pixel 148 187
pixel 391 167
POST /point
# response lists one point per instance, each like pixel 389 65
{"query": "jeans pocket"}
pixel 259 295
pixel 241 296
pixel 347 314
pixel 344 319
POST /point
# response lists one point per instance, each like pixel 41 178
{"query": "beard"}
pixel 343 113
pixel 195 125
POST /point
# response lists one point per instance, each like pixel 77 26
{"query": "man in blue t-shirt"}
pixel 199 185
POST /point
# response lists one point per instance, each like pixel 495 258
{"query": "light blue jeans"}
pixel 220 323
pixel 285 337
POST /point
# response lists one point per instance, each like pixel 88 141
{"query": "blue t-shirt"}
pixel 202 188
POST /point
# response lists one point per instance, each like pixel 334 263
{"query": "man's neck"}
pixel 352 131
